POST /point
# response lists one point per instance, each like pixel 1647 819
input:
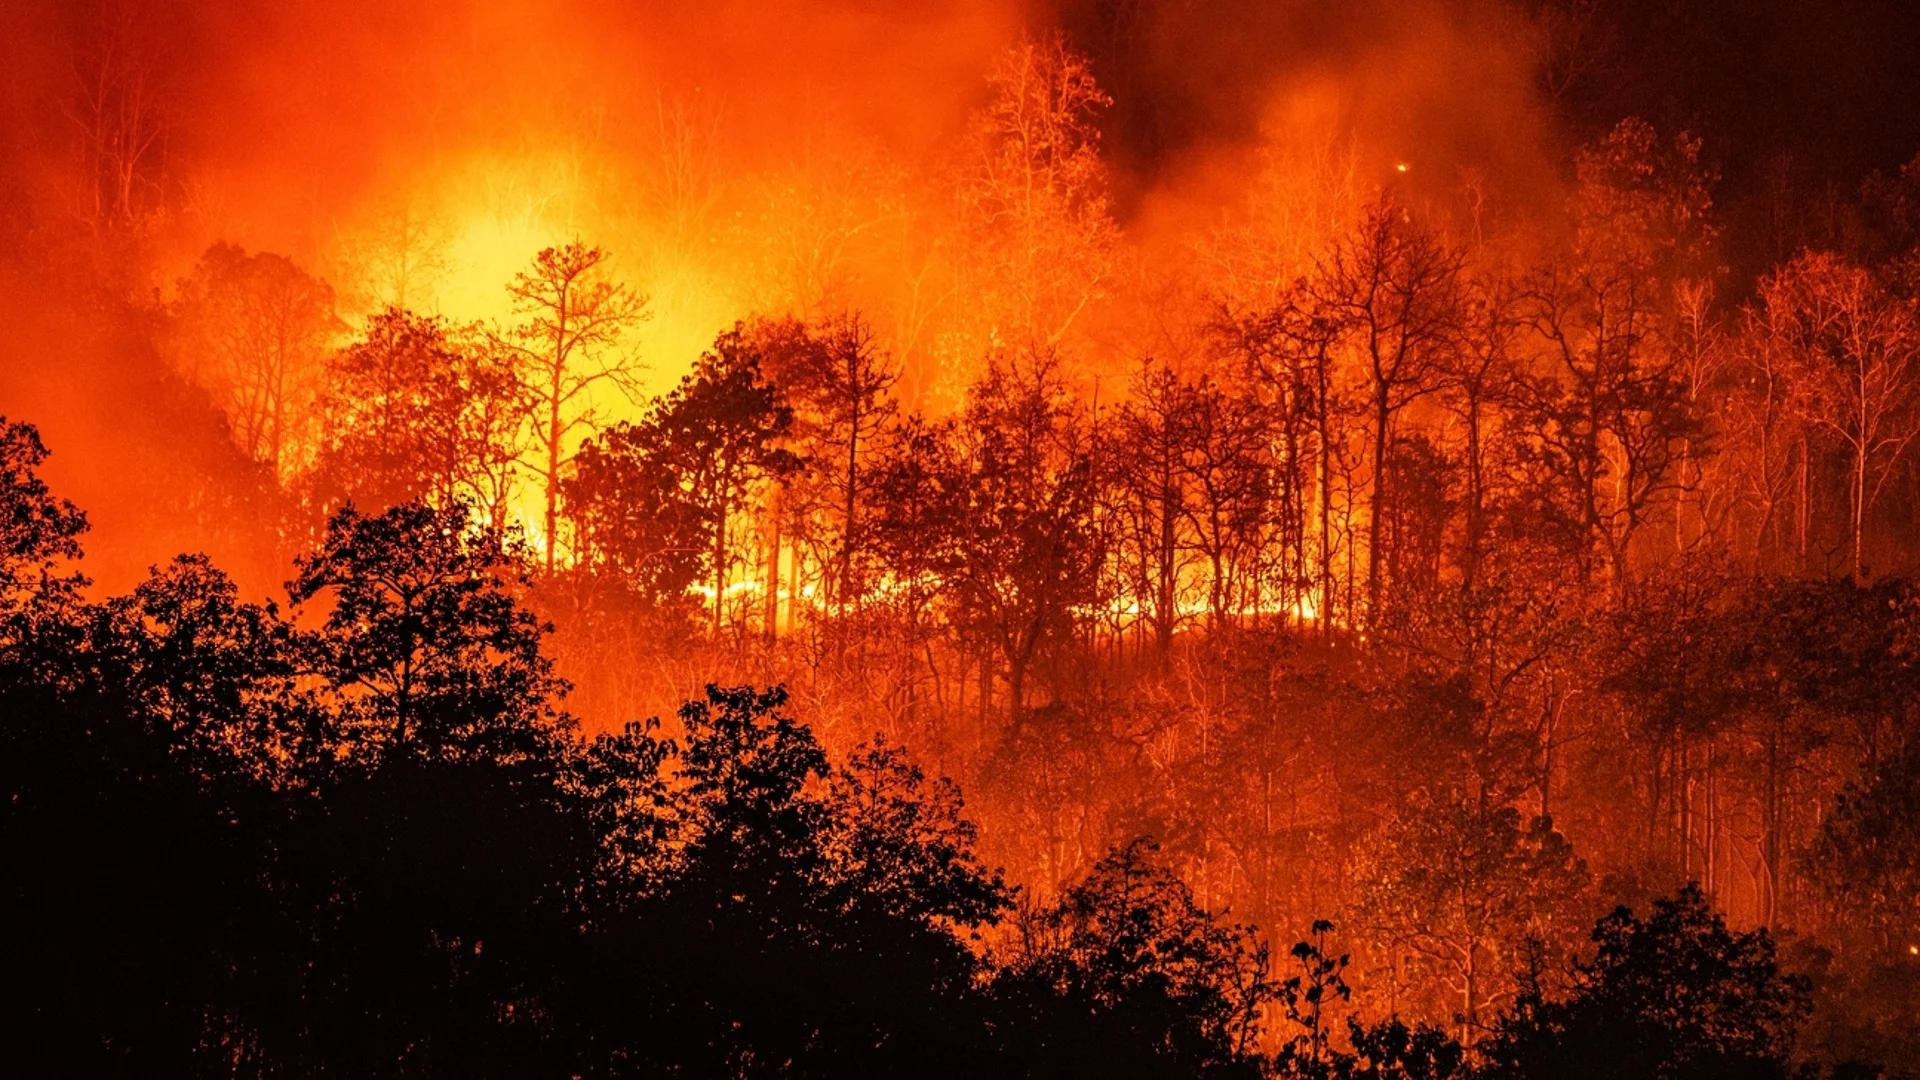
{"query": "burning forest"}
pixel 1014 539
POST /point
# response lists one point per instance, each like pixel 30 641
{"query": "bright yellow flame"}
pixel 1307 608
pixel 733 589
pixel 1402 167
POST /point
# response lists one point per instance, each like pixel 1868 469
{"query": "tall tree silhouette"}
pixel 566 346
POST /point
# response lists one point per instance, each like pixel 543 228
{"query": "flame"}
pixel 1304 608
pixel 733 589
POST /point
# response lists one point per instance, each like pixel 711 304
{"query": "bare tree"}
pixel 1034 198
pixel 1765 430
pixel 842 389
pixel 567 345
pixel 1477 382
pixel 1288 352
pixel 400 254
pixel 1393 289
pixel 1150 445
pixel 117 112
pixel 1855 351
pixel 254 329
pixel 1230 480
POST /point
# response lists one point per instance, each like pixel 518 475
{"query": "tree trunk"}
pixel 772 605
pixel 1167 597
pixel 1470 565
pixel 1859 512
pixel 553 466
pixel 1325 607
pixel 1381 416
pixel 1803 512
pixel 719 569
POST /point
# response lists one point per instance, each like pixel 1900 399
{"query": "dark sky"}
pixel 1834 83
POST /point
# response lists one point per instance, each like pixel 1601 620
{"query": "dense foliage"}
pixel 360 837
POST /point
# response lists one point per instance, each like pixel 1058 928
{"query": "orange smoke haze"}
pixel 734 157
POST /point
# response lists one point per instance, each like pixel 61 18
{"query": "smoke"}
pixel 734 156
pixel 1450 83
pixel 284 121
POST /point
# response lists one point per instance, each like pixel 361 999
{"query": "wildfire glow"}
pixel 1087 397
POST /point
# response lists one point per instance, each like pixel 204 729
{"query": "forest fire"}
pixel 519 523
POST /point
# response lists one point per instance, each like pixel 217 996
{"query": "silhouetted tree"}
pixel 254 329
pixel 566 347
pixel 999 514
pixel 1674 994
pixel 717 438
pixel 1125 974
pixel 1392 291
pixel 425 639
pixel 839 382
pixel 39 532
pixel 413 412
pixel 1388 1050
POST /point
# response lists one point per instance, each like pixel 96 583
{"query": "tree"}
pixel 1766 435
pixel 1290 352
pixel 415 412
pixel 137 906
pixel 998 512
pixel 1865 861
pixel 903 846
pixel 1153 434
pixel 1674 994
pixel 440 856
pixel 839 382
pixel 218 678
pixel 1125 973
pixel 1477 384
pixel 1232 483
pixel 1855 356
pixel 1033 197
pixel 254 331
pixel 1610 408
pixel 718 436
pixel 797 916
pixel 119 109
pixel 634 517
pixel 1463 886
pixel 1890 207
pixel 39 531
pixel 425 641
pixel 1387 1050
pixel 565 347
pixel 1392 290
pixel 402 255
pixel 1863 870
pixel 918 509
